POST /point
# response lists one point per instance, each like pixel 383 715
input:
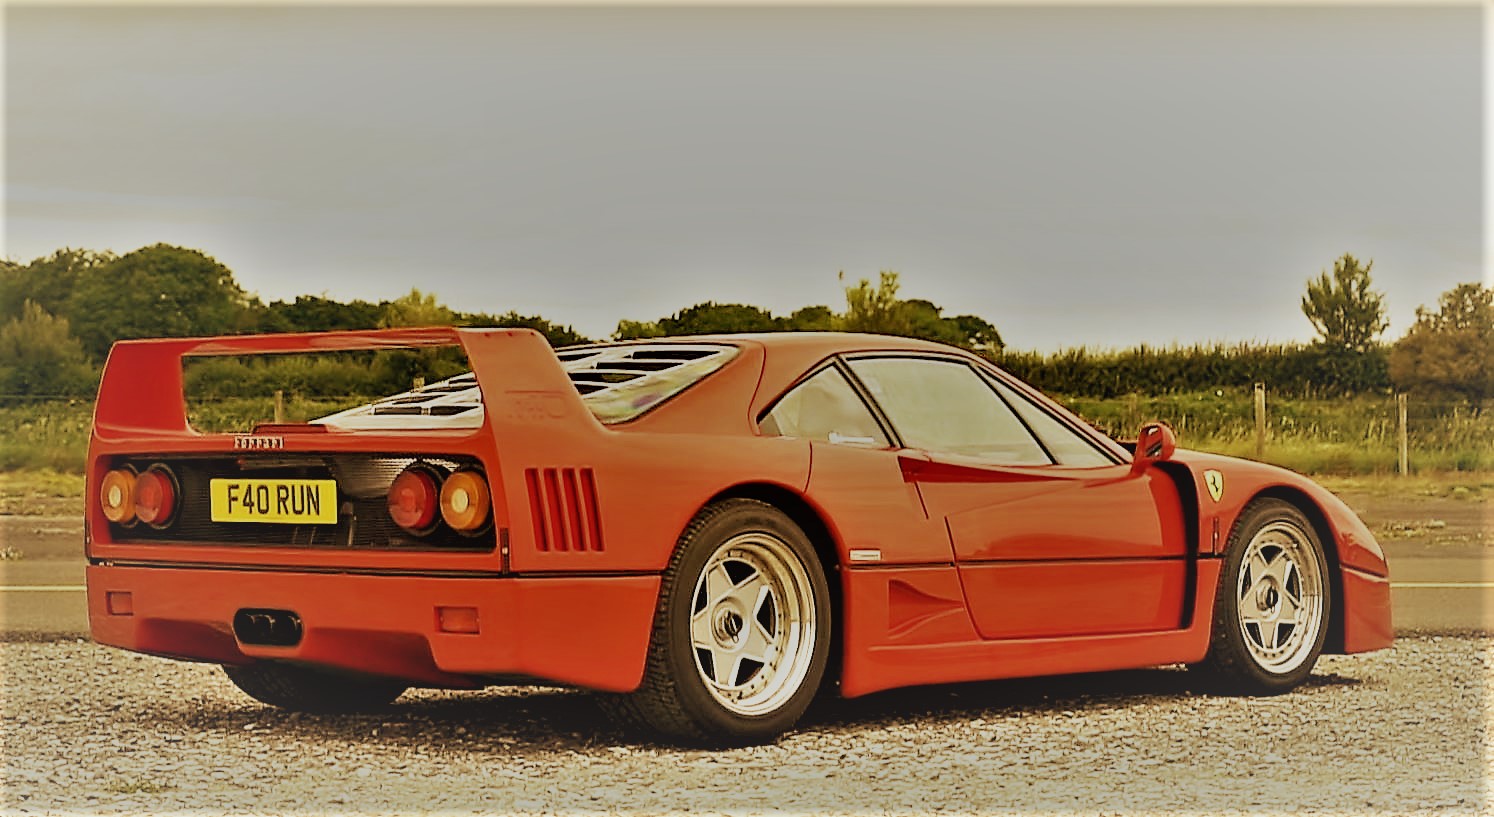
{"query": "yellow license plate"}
pixel 298 501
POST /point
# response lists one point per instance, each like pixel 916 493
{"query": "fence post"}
pixel 279 406
pixel 1260 421
pixel 1400 433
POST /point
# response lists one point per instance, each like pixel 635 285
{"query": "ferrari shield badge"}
pixel 1215 481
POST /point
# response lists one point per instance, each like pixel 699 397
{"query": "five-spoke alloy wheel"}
pixel 752 623
pixel 1271 613
pixel 742 634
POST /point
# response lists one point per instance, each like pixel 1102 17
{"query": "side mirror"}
pixel 1155 443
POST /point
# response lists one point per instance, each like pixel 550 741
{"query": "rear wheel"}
pixel 742 633
pixel 308 689
pixel 1271 608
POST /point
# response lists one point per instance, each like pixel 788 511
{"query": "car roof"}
pixel 772 362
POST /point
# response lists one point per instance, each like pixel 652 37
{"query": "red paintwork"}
pixel 948 654
pixel 1052 599
pixel 388 624
pixel 1366 611
pixel 981 571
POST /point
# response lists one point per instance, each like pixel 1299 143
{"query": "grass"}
pixel 41 492
pixel 53 436
pixel 1352 435
pixel 45 436
pixel 243 413
pixel 1465 486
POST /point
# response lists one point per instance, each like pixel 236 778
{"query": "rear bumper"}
pixel 589 631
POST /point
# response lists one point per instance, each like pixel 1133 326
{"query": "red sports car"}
pixel 710 529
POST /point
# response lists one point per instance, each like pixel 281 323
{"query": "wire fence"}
pixel 1358 434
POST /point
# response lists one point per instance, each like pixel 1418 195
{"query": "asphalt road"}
pixel 1437 586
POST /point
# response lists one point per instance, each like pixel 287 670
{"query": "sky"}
pixel 1095 176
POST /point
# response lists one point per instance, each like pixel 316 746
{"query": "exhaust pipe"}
pixel 268 628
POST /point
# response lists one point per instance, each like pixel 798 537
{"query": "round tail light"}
pixel 413 499
pixel 155 496
pixel 465 501
pixel 117 496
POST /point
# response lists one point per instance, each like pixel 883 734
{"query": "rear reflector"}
pixel 119 603
pixel 456 619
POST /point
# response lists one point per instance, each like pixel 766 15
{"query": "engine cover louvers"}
pixel 563 503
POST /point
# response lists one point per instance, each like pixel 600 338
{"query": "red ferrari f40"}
pixel 709 530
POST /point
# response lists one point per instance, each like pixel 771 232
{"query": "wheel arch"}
pixel 1319 519
pixel 820 536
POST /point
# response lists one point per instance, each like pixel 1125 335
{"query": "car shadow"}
pixel 980 699
pixel 544 719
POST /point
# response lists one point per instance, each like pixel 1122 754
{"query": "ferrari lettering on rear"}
pixel 258 442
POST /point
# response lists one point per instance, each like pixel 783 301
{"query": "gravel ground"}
pixel 96 730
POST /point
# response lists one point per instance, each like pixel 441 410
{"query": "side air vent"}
pixel 563 502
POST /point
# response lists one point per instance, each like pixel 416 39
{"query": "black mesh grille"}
pixel 363 521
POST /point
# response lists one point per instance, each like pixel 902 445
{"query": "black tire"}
pixel 720 694
pixel 301 688
pixel 1272 605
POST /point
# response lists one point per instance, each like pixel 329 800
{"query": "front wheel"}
pixel 742 633
pixel 1271 608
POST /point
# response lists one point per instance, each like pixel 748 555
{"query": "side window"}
pixel 824 408
pixel 944 406
pixel 1061 441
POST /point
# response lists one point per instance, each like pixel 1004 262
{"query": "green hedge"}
pixel 1299 370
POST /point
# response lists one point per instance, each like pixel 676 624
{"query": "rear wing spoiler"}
pixel 141 393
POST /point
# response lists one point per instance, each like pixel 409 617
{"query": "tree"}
pixel 1450 351
pixel 407 366
pixel 156 291
pixel 416 309
pixel 811 319
pixel 14 289
pixel 637 330
pixel 1346 313
pixel 876 309
pixel 48 281
pixel 926 320
pixel 711 318
pixel 979 334
pixel 555 333
pixel 39 357
pixel 879 310
pixel 313 313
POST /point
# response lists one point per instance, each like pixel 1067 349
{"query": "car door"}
pixel 1052 535
pixel 856 475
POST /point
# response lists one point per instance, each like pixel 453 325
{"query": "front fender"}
pixel 1362 615
pixel 1239 482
